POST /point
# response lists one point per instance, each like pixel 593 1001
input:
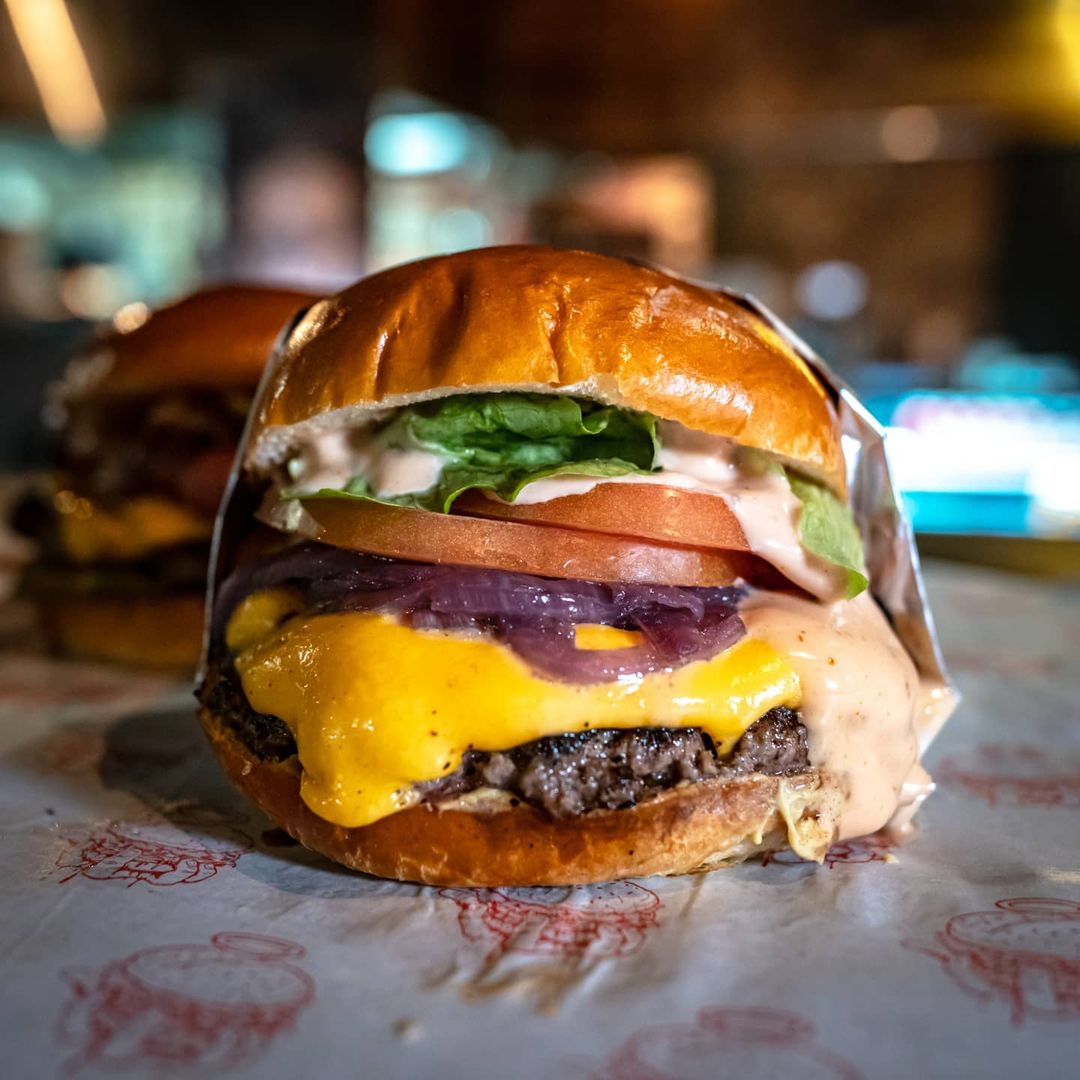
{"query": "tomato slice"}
pixel 649 511
pixel 547 550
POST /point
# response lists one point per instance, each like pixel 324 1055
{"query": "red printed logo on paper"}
pixel 1024 954
pixel 1015 776
pixel 584 921
pixel 866 849
pixel 186 1006
pixel 738 1041
pixel 154 853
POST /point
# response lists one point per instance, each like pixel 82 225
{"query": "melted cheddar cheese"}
pixel 590 636
pixel 376 706
pixel 258 615
pixel 89 532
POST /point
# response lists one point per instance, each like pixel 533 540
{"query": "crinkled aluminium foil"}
pixel 892 558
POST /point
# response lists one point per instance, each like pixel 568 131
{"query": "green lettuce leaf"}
pixel 827 529
pixel 501 442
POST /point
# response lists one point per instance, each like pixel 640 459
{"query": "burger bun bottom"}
pixel 690 828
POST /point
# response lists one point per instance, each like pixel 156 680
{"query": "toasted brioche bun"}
pixel 163 633
pixel 219 337
pixel 685 829
pixel 537 319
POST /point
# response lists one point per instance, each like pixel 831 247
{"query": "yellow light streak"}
pixel 59 69
pixel 1067 24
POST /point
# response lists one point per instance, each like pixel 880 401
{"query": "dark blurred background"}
pixel 901 181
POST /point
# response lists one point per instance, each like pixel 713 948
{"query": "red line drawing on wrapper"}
pixel 599 921
pixel 547 941
pixel 1016 775
pixel 1025 953
pixel 154 853
pixel 186 1006
pixel 738 1041
pixel 866 849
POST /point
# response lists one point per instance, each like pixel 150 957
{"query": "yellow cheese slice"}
pixel 89 532
pixel 592 636
pixel 376 706
pixel 258 614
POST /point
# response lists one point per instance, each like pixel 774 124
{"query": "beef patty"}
pixel 610 769
pixel 565 775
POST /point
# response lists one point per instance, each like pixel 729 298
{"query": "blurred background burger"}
pixel 148 417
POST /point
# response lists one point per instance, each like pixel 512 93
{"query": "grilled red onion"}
pixel 534 616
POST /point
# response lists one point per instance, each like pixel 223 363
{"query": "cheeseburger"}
pixel 558 583
pixel 149 417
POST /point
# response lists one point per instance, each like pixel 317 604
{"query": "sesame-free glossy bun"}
pixel 696 826
pixel 219 337
pixel 542 320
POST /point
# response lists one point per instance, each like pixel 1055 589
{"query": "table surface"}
pixel 153 923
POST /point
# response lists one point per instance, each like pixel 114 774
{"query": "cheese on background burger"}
pixel 562 586
pixel 149 418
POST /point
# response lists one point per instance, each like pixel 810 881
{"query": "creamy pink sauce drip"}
pixel 861 699
pixel 763 502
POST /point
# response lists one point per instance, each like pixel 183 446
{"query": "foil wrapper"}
pixel 892 559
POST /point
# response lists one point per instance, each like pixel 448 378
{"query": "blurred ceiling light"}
pixel 1055 495
pixel 832 291
pixel 417 144
pixel 669 198
pixel 131 317
pixel 93 290
pixel 1067 24
pixel 24 199
pixel 59 69
pixel 458 228
pixel 910 133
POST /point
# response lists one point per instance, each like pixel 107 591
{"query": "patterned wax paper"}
pixel 154 924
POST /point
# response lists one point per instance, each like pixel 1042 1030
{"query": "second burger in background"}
pixel 148 419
